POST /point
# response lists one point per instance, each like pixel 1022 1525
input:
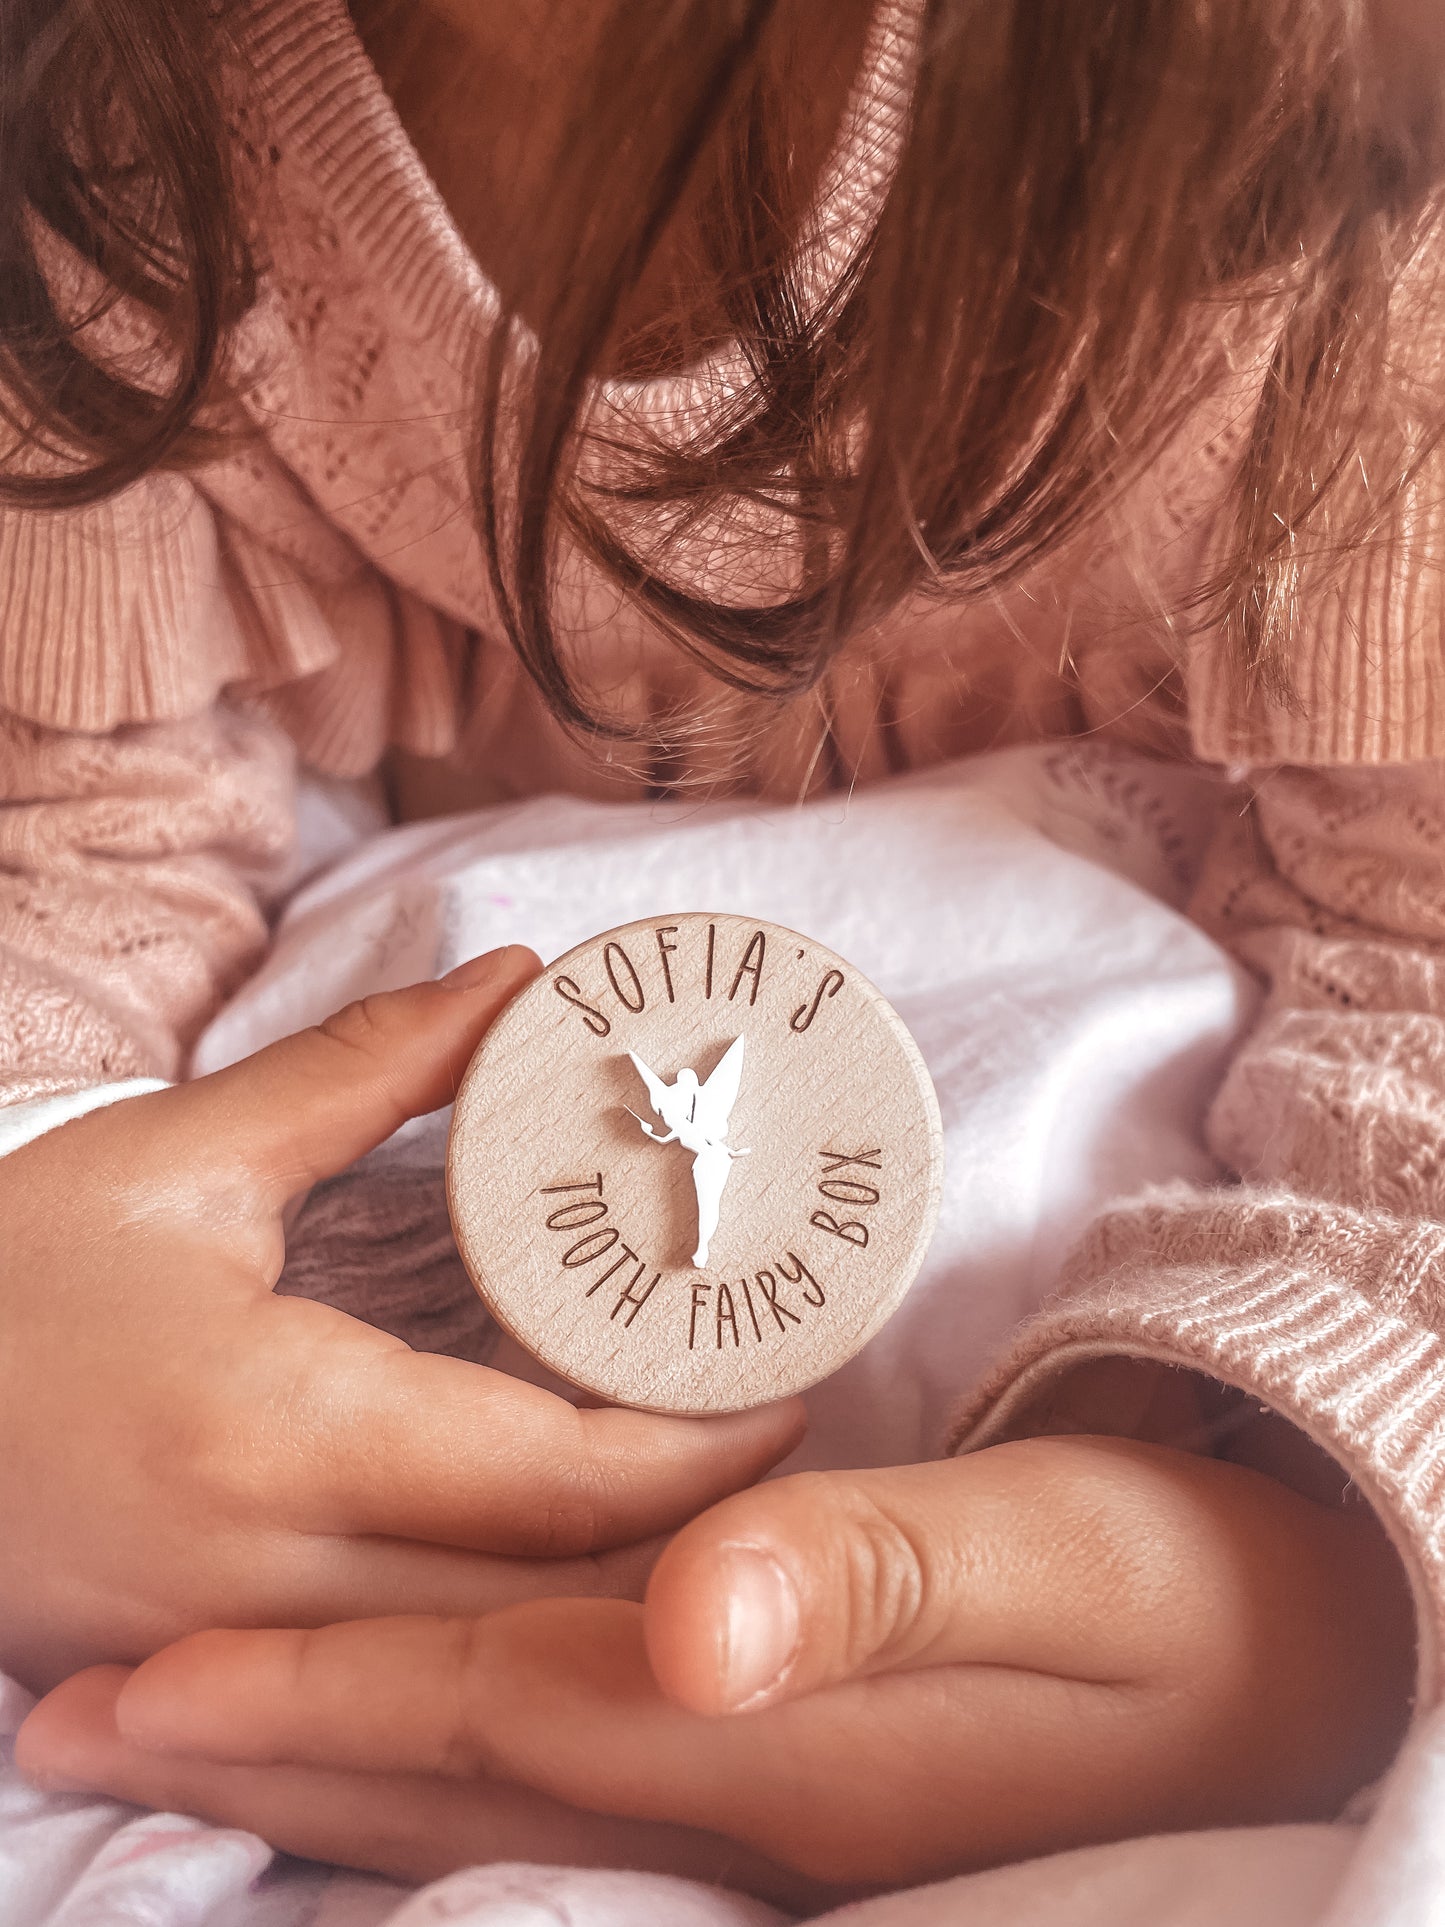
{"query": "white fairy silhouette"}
pixel 696 1116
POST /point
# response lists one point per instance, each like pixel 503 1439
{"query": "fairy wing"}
pixel 716 1098
pixel 656 1089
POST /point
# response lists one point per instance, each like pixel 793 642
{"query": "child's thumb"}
pixel 305 1107
pixel 804 1582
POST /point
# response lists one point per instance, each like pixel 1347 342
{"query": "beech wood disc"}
pixel 580 1231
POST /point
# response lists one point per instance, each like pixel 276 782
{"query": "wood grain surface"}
pixel 579 1231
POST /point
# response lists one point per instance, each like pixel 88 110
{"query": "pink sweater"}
pixel 165 656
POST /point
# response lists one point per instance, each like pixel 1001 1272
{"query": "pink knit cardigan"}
pixel 166 655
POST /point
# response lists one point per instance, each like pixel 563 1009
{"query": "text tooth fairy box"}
pixel 696 1164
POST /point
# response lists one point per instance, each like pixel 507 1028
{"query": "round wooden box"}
pixel 696 1164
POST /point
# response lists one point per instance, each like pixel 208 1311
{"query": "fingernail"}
pixel 479 970
pixel 760 1626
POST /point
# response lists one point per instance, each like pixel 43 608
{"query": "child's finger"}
pixel 876 1781
pixel 410 1695
pixel 317 1579
pixel 416 1445
pixel 411 1827
pixel 305 1107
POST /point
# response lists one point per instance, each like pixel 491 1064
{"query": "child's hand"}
pixel 1051 1642
pixel 181 1448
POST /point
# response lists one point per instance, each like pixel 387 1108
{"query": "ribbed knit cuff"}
pixel 1316 1311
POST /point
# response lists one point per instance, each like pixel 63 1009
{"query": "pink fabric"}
pixel 327 575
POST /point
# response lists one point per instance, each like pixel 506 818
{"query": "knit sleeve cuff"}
pixel 22 1123
pixel 1324 1318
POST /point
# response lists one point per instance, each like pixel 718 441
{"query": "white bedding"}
pixel 1021 911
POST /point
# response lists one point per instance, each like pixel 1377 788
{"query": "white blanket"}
pixel 1021 910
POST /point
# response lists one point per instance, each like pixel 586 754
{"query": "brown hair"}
pixel 113 136
pixel 1092 199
